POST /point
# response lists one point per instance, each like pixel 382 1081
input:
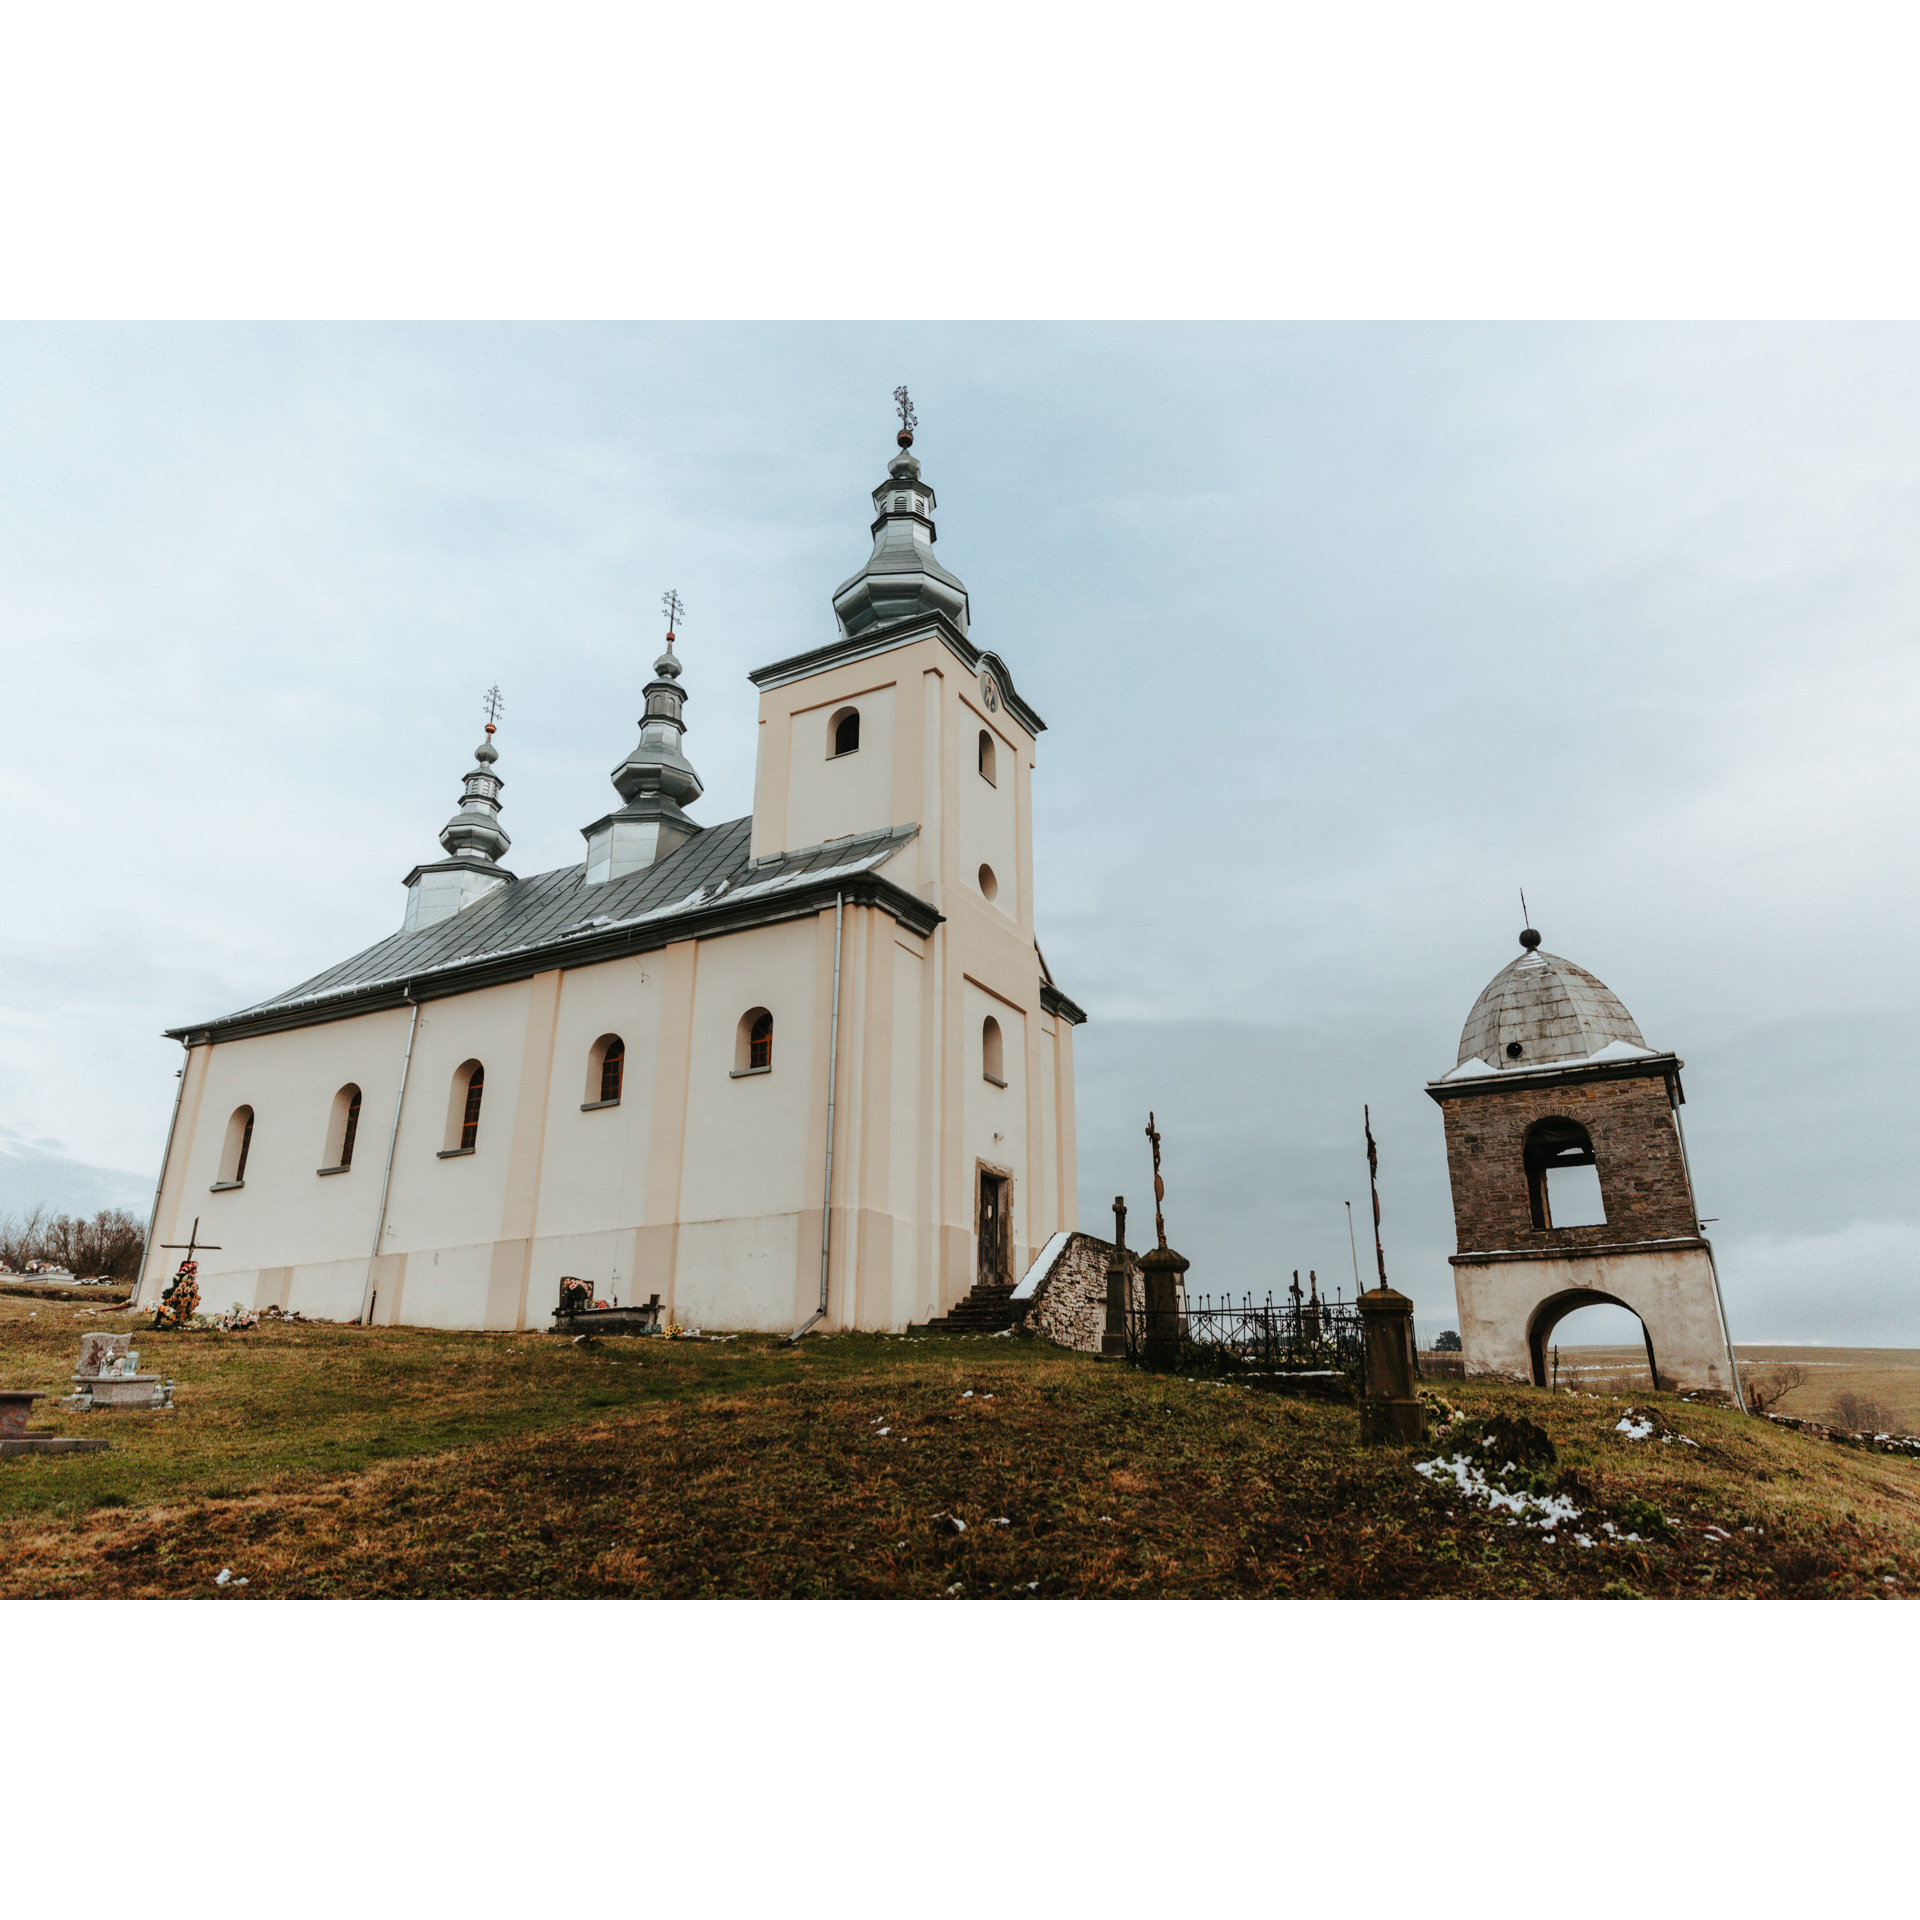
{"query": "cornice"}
pixel 1053 1001
pixel 922 626
pixel 1654 1066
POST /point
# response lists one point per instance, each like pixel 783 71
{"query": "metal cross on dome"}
pixel 675 609
pixel 493 705
pixel 904 407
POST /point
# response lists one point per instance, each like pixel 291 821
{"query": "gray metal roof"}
pixel 708 884
pixel 1551 1010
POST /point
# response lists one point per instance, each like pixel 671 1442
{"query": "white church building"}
pixel 807 1060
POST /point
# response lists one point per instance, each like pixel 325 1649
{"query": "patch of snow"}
pixel 1634 1429
pixel 1043 1263
pixel 1543 1510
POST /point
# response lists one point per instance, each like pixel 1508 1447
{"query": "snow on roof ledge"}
pixel 1042 1266
pixel 1473 1068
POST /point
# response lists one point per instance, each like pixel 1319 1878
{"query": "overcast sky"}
pixel 1343 634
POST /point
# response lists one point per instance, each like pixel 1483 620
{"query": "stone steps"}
pixel 987 1309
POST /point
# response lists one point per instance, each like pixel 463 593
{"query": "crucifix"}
pixel 904 408
pixel 1373 1180
pixel 1159 1185
pixel 675 609
pixel 193 1244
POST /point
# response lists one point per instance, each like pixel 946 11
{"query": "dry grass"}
pixel 324 1461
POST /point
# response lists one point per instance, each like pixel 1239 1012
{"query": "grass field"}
pixel 1888 1376
pixel 335 1461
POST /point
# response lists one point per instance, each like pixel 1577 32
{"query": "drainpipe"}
pixel 160 1185
pixel 826 1191
pixel 386 1181
pixel 1713 1266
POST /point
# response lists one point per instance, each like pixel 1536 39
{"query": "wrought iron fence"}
pixel 1219 1337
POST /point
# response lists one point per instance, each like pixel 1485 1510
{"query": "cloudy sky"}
pixel 1343 634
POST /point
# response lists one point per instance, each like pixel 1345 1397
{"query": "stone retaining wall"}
pixel 1070 1305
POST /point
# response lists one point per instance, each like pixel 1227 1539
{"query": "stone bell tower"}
pixel 1553 1076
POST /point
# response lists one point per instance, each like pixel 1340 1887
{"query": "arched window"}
pixel 989 885
pixel 844 731
pixel 342 1125
pixel 993 1052
pixel 986 758
pixel 606 1072
pixel 239 1143
pixel 463 1108
pixel 1563 1180
pixel 753 1043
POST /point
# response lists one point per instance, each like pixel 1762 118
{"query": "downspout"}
pixel 393 1140
pixel 1713 1266
pixel 160 1185
pixel 826 1190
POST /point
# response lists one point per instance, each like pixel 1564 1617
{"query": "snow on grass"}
pixel 1542 1510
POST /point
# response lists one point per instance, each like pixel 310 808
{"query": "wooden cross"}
pixel 192 1245
pixel 1159 1185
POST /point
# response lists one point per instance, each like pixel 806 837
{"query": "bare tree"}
pixel 1766 1390
pixel 108 1245
pixel 1859 1413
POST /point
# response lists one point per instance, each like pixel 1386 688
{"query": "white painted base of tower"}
pixel 1510 1305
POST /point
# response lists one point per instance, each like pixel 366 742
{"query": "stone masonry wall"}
pixel 1636 1147
pixel 1070 1306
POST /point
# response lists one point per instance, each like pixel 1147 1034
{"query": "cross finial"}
pixel 1159 1185
pixel 493 706
pixel 904 408
pixel 675 609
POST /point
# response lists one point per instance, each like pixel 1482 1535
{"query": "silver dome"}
pixel 1551 1010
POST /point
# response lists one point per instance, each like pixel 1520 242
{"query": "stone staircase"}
pixel 987 1309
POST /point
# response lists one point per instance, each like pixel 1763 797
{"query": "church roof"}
pixel 1541 1010
pixel 710 885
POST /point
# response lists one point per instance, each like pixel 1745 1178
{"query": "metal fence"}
pixel 1215 1337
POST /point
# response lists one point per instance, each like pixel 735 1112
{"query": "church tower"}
pixel 1554 1078
pixel 656 781
pixel 474 840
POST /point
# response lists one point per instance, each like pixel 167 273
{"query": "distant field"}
pixel 1889 1376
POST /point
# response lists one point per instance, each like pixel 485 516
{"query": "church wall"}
pixel 994 1131
pixel 906 1196
pixel 290 1081
pixel 594 1172
pixel 989 812
pixel 460 1202
pixel 744 1135
pixel 831 796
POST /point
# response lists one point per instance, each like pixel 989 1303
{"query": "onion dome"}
pixel 657 765
pixel 901 580
pixel 475 832
pixel 1541 1010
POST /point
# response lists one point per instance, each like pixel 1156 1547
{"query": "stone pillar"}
pixel 1113 1342
pixel 1391 1413
pixel 1162 1268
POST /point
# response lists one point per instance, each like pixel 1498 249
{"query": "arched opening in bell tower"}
pixel 1602 1345
pixel 1563 1175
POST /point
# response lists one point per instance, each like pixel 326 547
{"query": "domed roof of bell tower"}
pixel 1541 1010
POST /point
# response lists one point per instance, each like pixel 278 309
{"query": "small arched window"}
pixel 986 758
pixel 993 1052
pixel 844 731
pixel 463 1108
pixel 1563 1175
pixel 343 1124
pixel 753 1042
pixel 606 1071
pixel 239 1143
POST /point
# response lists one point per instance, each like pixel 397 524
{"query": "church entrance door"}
pixel 993 1229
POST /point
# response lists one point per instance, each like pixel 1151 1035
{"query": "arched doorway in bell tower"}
pixel 1604 1346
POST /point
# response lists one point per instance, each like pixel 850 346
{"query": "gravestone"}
pixel 17 1437
pixel 1391 1413
pixel 107 1376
